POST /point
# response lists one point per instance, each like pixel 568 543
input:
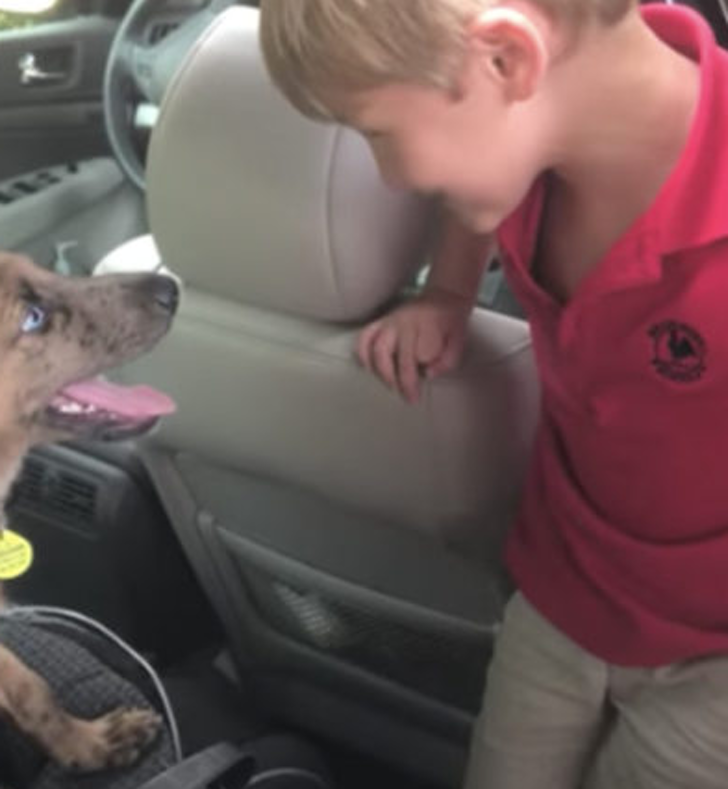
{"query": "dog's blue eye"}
pixel 34 319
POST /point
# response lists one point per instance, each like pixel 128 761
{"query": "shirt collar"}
pixel 691 208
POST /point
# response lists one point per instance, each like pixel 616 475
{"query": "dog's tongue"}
pixel 136 402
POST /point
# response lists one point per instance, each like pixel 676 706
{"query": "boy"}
pixel 589 137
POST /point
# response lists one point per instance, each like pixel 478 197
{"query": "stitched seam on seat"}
pixel 257 335
pixel 179 78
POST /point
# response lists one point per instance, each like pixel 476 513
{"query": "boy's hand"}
pixel 424 337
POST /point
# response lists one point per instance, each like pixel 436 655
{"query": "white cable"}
pixel 278 772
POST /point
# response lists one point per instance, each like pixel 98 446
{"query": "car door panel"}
pixel 48 121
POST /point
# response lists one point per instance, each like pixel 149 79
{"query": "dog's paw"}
pixel 114 740
pixel 127 733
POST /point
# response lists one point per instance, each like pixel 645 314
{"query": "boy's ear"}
pixel 511 48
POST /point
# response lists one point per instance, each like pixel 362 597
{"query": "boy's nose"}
pixel 386 172
pixel 391 177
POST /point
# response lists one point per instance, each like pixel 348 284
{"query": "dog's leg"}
pixel 113 740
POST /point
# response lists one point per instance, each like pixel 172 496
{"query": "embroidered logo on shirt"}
pixel 678 351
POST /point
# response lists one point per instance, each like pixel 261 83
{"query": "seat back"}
pixel 349 542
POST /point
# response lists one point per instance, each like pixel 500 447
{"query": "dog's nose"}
pixel 166 293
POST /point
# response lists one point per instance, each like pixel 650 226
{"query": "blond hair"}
pixel 314 47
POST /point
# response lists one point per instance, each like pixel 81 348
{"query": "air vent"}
pixel 160 30
pixel 56 495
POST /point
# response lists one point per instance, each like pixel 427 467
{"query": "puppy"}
pixel 56 335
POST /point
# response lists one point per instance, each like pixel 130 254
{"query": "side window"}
pixel 17 14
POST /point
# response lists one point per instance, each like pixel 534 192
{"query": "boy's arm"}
pixel 426 336
pixel 459 260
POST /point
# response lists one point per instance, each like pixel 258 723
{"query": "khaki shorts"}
pixel 556 717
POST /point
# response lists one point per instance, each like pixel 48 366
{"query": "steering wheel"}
pixel 150 44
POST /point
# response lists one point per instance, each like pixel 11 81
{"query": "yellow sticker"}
pixel 16 555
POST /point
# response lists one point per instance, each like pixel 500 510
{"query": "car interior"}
pixel 296 549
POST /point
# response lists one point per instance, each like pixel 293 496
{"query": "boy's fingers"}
pixel 430 348
pixel 407 371
pixel 367 338
pixel 447 360
pixel 383 352
pixel 430 345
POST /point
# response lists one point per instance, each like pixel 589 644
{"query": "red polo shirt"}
pixel 622 538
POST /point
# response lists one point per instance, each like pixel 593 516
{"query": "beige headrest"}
pixel 251 201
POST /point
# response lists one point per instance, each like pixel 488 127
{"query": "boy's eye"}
pixel 34 319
